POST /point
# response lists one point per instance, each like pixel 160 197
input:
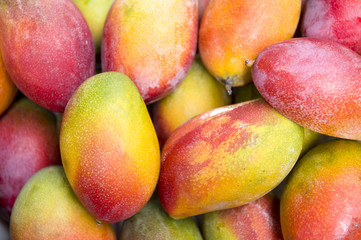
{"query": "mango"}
pixel 152 42
pixel 233 31
pixel 226 157
pixel 337 20
pixel 152 222
pixel 318 88
pixel 249 92
pixel 321 199
pixel 95 13
pixel 257 220
pixel 109 147
pixel 47 49
pixel 28 143
pixel 198 92
pixel 8 89
pixel 48 209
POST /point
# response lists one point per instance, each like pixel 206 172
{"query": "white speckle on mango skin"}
pixel 314 82
pixel 109 147
pixel 337 20
pixel 152 42
pixel 44 49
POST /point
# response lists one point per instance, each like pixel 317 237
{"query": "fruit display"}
pixel 192 119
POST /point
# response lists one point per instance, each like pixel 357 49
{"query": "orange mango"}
pixel 109 147
pixel 152 42
pixel 234 31
pixel 321 198
pixel 47 209
pixel 227 157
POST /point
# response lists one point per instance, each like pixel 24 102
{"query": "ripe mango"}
pixel 321 199
pixel 152 222
pixel 48 209
pixel 249 91
pixel 234 31
pixel 318 88
pixel 259 219
pixel 47 49
pixel 226 157
pixel 28 143
pixel 336 20
pixel 198 92
pixel 109 147
pixel 152 42
pixel 8 89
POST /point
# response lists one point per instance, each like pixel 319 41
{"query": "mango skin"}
pixel 226 157
pixel 257 220
pixel 109 147
pixel 321 199
pixel 152 222
pixel 48 209
pixel 337 20
pixel 28 143
pixel 8 89
pixel 197 93
pixel 47 49
pixel 249 92
pixel 233 31
pixel 152 42
pixel 95 13
pixel 319 88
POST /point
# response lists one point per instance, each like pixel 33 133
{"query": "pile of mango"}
pixel 169 119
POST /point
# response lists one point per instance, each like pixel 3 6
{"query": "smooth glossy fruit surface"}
pixel 227 157
pixel 152 42
pixel 336 20
pixel 321 199
pixel 234 31
pixel 48 209
pixel 47 49
pixel 314 82
pixel 28 143
pixel 109 147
